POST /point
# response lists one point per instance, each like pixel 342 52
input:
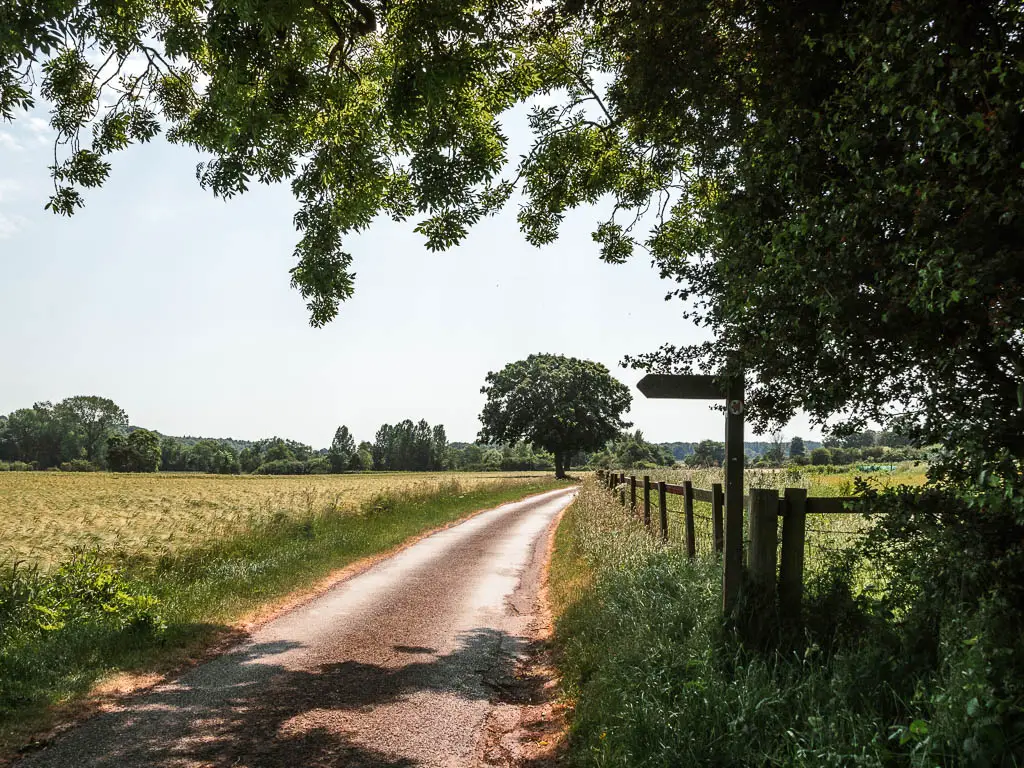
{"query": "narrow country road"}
pixel 396 666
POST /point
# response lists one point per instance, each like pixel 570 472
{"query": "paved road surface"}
pixel 397 666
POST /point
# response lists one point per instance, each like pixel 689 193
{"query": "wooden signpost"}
pixel 700 387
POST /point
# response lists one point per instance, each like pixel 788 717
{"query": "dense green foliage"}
pixel 48 621
pixel 659 679
pixel 796 447
pixel 63 630
pixel 476 457
pixel 631 451
pixel 557 403
pixel 408 446
pixel 48 435
pixel 214 456
pixel 343 454
pixel 272 450
pixel 138 452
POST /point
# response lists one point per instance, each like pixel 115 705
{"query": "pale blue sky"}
pixel 177 305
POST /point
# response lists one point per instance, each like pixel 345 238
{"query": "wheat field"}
pixel 43 515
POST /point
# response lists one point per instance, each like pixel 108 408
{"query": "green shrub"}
pixel 49 621
pixel 821 456
pixel 79 465
pixel 319 465
pixel 282 467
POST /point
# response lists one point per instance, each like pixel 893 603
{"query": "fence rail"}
pixel 774 564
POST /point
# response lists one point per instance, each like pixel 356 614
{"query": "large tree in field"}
pixel 95 417
pixel 557 403
pixel 343 448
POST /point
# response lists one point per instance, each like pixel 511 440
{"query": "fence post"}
pixel 762 558
pixel 663 510
pixel 632 494
pixel 791 560
pixel 647 501
pixel 717 505
pixel 691 541
pixel 764 535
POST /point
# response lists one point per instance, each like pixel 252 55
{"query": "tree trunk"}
pixel 559 466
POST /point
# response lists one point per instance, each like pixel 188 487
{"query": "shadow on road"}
pixel 248 709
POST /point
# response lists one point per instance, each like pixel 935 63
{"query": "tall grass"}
pixel 659 680
pixel 101 612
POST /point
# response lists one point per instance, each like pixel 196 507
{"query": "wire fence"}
pixel 830 529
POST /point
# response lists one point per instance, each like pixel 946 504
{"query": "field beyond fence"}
pixel 794 522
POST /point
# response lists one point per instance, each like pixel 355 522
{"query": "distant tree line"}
pixel 88 433
pixel 631 451
pixel 864 446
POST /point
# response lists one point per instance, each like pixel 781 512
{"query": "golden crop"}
pixel 44 514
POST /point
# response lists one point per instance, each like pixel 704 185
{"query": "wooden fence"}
pixel 776 572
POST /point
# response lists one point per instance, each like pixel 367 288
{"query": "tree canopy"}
pixel 835 189
pixel 557 403
pixel 342 450
pixel 73 430
pixel 138 452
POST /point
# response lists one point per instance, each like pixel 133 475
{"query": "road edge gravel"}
pixel 528 726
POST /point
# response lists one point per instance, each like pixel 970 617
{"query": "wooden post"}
pixel 663 509
pixel 762 559
pixel 764 536
pixel 717 505
pixel 691 541
pixel 632 494
pixel 791 560
pixel 647 501
pixel 732 571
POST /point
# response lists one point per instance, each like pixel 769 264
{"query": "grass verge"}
pixel 657 679
pixel 103 613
